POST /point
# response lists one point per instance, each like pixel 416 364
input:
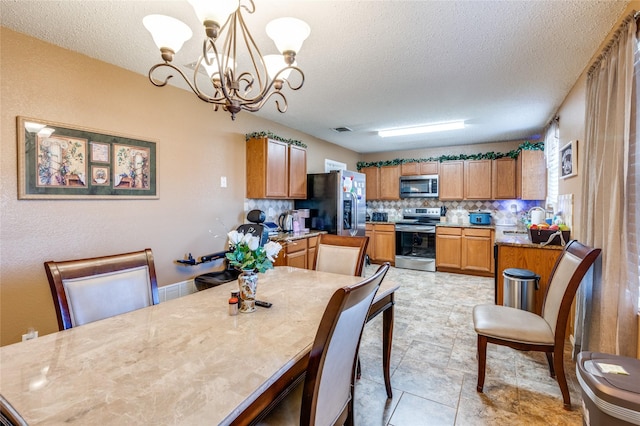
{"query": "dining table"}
pixel 185 361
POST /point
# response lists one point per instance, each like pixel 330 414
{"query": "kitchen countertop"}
pixel 463 225
pixel 291 236
pixel 523 241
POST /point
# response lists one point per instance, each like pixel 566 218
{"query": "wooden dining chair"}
pixel 87 290
pixel 341 254
pixel 8 415
pixel 527 331
pixel 324 398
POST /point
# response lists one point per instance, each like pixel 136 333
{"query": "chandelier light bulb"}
pixel 217 11
pixel 167 32
pixel 288 33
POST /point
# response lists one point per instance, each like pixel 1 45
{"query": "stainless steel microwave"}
pixel 419 186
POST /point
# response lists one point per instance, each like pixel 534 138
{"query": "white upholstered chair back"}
pixel 87 290
pixel 341 254
pixel 566 267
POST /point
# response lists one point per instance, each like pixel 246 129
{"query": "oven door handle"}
pixel 414 228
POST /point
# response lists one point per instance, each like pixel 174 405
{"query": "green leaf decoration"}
pixel 525 146
pixel 269 135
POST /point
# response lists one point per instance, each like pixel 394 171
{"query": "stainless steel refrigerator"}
pixel 336 202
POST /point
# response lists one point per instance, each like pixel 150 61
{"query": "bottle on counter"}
pixel 233 306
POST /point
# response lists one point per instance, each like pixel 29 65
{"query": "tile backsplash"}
pixel 503 212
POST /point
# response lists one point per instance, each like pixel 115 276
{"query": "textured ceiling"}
pixel 502 66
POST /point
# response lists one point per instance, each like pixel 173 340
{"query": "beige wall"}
pixel 196 146
pixel 437 152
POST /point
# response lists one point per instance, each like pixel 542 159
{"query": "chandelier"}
pixel 228 85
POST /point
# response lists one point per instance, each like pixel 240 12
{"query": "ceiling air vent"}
pixel 341 129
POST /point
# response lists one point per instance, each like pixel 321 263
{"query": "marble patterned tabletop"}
pixel 184 361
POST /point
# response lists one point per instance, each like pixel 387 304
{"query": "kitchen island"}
pixel 518 252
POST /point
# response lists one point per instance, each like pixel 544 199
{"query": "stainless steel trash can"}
pixel 609 398
pixel 519 288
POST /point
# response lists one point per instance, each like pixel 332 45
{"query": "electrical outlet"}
pixel 31 334
pixel 223 181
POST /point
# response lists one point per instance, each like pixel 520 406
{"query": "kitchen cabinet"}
pixel 390 183
pixel 477 251
pixel 503 178
pixel 276 169
pixel 382 242
pixel 448 248
pixel 299 253
pixel 419 168
pixel 383 183
pixel 465 250
pixel 372 176
pixel 477 179
pixel 526 256
pixel 451 180
pixel 312 247
pixel 531 175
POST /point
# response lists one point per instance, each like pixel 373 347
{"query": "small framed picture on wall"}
pixel 568 160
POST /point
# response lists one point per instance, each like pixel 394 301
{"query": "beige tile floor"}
pixel 434 367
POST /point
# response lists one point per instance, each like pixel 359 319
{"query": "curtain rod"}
pixel 634 15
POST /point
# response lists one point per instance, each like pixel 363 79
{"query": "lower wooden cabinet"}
pixel 382 242
pixel 465 250
pixel 300 253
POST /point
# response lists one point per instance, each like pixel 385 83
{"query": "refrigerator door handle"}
pixel 354 215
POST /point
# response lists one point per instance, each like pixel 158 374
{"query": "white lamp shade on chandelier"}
pixel 234 89
pixel 217 11
pixel 288 33
pixel 167 32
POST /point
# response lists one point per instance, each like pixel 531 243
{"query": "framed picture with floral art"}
pixel 62 161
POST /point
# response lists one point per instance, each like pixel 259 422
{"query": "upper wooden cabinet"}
pixel 383 183
pixel 276 169
pixel 390 183
pixel 531 175
pixel 477 179
pixel 416 169
pixel 504 178
pixel 451 180
pixel 372 176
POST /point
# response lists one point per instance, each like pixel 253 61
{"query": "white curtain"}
pixel 607 308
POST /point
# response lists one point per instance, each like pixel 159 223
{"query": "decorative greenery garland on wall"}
pixel 525 146
pixel 269 135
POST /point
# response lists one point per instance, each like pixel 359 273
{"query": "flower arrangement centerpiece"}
pixel 246 254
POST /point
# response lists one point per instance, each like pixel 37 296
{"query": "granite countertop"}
pixel 464 225
pixel 523 241
pixel 292 236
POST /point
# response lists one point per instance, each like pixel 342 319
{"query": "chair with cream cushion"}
pixel 91 289
pixel 527 331
pixel 341 254
pixel 325 396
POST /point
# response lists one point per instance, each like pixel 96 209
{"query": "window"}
pixel 551 147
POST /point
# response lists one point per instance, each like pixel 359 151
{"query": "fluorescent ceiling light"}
pixel 429 128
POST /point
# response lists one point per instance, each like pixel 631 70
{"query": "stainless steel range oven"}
pixel 416 239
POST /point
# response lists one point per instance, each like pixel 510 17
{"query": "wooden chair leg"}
pixel 482 361
pixel 550 361
pixel 558 361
